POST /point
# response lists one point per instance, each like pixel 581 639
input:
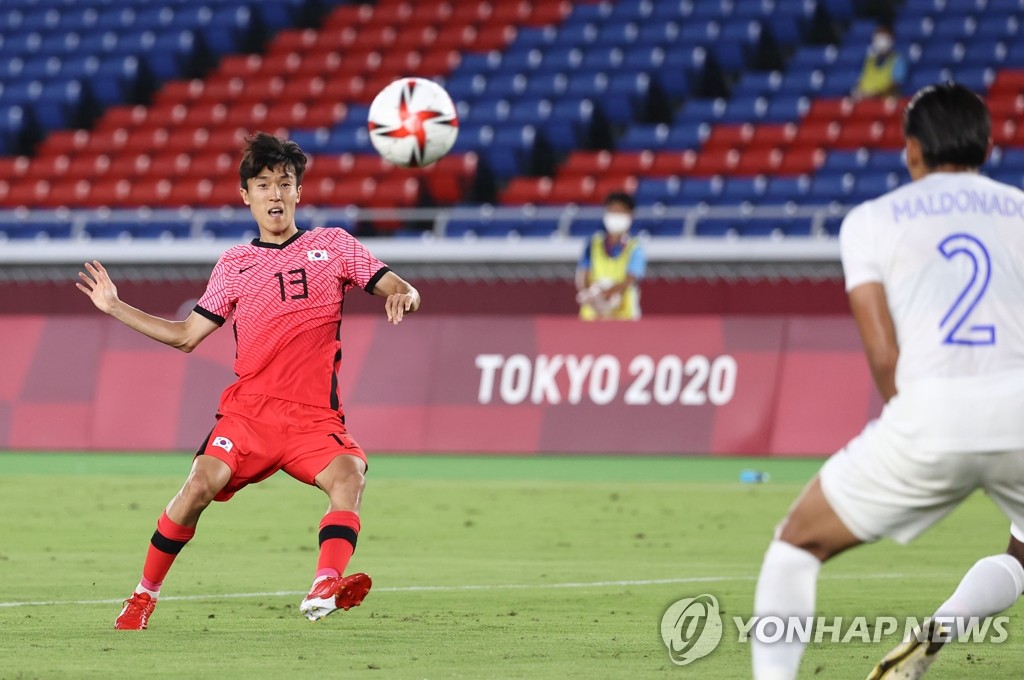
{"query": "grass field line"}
pixel 472 587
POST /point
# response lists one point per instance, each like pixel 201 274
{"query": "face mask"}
pixel 617 223
pixel 881 44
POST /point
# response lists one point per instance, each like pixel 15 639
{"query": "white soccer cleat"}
pixel 910 659
pixel 333 593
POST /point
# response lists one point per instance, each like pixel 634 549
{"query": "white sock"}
pixel 152 593
pixel 992 585
pixel 786 587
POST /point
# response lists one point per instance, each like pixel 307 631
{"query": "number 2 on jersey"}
pixel 956 318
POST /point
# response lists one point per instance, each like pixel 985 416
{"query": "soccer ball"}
pixel 413 122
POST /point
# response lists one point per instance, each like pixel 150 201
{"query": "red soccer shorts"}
pixel 257 436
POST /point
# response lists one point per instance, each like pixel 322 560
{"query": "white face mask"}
pixel 617 223
pixel 881 43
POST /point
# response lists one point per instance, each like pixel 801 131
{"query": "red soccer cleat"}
pixel 136 612
pixel 334 593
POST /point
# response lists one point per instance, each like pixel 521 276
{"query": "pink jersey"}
pixel 287 302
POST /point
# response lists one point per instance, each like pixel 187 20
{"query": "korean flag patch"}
pixel 224 443
pixel 316 255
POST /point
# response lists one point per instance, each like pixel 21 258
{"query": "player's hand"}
pixel 97 285
pixel 397 305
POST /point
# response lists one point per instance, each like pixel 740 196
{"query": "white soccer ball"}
pixel 413 122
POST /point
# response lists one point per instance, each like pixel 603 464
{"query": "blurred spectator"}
pixel 884 68
pixel 612 265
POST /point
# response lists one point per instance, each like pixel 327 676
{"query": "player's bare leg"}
pixel 810 534
pixel 992 585
pixel 343 480
pixel 174 529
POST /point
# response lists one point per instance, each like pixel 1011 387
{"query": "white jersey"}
pixel 949 251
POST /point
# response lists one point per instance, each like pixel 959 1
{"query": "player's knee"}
pixel 800 535
pixel 199 491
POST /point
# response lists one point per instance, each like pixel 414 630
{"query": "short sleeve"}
pixel 358 265
pixel 857 249
pixel 637 262
pixel 584 262
pixel 216 302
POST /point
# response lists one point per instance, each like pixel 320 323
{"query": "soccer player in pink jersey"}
pixel 284 291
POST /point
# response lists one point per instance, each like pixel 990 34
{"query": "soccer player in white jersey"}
pixel 935 276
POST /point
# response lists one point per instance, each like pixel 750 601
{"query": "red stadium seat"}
pixel 527 190
pixel 858 133
pixel 510 12
pixel 816 133
pixel 728 136
pixel 801 160
pixel 109 191
pixel 717 161
pixel 287 113
pixel 394 191
pixel 828 110
pixel 179 92
pixel 666 163
pixel 318 191
pixel 1004 132
pixel 449 180
pixel 172 163
pixel 607 184
pixel 470 13
pixel 773 135
pixel 226 139
pixel 63 142
pixel 207 113
pixel 283 65
pixel 348 16
pixel 107 140
pixel 325 63
pixel 758 160
pixel 13 167
pixel 48 167
pixel 325 114
pixel 490 36
pixel 28 192
pixel 223 89
pixel 185 140
pixel 130 165
pixel 548 12
pixel 121 117
pixel 89 166
pixel 292 40
pixel 189 191
pixel 166 115
pixel 875 109
pixel 578 190
pixel 214 163
pixel 240 65
pixel 149 191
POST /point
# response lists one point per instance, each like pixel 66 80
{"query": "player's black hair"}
pixel 265 151
pixel 620 197
pixel 952 124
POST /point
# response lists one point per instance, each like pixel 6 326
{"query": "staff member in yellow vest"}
pixel 884 68
pixel 612 265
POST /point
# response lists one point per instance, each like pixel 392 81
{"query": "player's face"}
pixel 272 196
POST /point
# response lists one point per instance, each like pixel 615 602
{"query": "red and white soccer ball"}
pixel 413 122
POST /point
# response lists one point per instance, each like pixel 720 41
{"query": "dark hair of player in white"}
pixel 952 125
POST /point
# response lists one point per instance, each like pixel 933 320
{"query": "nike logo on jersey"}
pixel 245 269
pixel 316 255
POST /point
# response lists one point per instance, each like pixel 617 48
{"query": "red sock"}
pixel 338 533
pixel 168 540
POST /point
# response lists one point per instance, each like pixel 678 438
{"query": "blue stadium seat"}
pixel 842 162
pixel 658 34
pixel 717 227
pixel 585 226
pixel 698 189
pixel 651 190
pixel 785 109
pixel 782 190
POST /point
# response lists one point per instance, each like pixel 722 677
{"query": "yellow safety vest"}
pixel 605 267
pixel 876 78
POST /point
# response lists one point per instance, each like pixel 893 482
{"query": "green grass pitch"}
pixel 483 567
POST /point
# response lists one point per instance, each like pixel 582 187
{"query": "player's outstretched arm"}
pixel 184 335
pixel 402 298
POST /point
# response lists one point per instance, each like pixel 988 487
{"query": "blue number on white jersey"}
pixel 956 317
